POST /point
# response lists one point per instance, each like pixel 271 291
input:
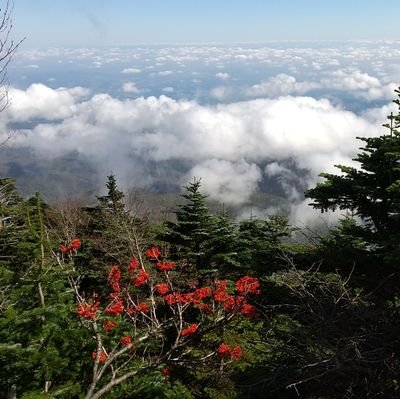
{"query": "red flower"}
pixel 114 295
pixel 63 249
pixel 153 253
pixel 75 244
pixel 133 265
pixel 102 356
pixel 126 340
pixel 189 330
pixel 141 278
pixel 142 307
pixel 164 266
pixel 200 294
pixel 162 288
pixel 221 285
pixel 248 285
pixel 165 371
pixel 221 296
pixel 249 311
pixel 109 325
pixel 229 303
pixel 236 353
pixel 183 298
pixel 224 350
pixel 88 311
pixel 114 278
pixel 170 299
pixel 115 308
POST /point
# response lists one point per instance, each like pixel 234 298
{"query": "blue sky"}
pixel 98 22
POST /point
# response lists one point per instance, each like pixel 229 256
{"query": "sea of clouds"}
pixel 202 107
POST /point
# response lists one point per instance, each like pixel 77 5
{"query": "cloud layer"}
pixel 232 147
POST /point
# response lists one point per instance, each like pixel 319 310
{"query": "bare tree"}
pixel 8 47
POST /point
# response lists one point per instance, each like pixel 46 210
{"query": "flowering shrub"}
pixel 248 285
pixel 189 330
pixel 88 310
pixel 126 340
pixel 109 325
pixel 102 356
pixel 157 318
pixel 225 351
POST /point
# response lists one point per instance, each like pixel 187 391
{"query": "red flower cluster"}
pixel 224 350
pixel 170 299
pixel 220 294
pixel 133 265
pixel 126 340
pixel 142 307
pixel 249 311
pixel 88 311
pixel 178 297
pixel 165 266
pixel 102 356
pixel 189 330
pixel 162 288
pixel 200 294
pixel 153 253
pixel 109 325
pixel 165 372
pixel 114 278
pixel 231 303
pixel 115 308
pixel 141 278
pixel 75 244
pixel 248 285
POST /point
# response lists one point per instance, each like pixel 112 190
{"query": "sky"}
pixel 247 95
pixel 116 22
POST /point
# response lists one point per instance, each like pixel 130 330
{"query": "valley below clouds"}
pixel 242 118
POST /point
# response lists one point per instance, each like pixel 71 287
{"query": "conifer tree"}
pixel 261 241
pixel 190 235
pixel 113 201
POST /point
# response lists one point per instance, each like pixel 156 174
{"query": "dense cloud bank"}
pixel 233 147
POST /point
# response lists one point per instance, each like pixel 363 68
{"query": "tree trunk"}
pixel 12 392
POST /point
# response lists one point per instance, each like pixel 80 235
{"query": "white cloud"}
pixel 230 182
pixel 280 85
pixel 222 75
pixel 165 73
pixel 131 70
pixel 224 144
pixel 39 101
pixel 168 89
pixel 130 87
pixel 350 80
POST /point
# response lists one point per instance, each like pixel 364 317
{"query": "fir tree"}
pixel 113 201
pixel 190 235
pixel 260 242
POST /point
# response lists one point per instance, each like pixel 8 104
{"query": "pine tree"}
pixel 39 346
pixel 190 235
pixel 223 244
pixel 113 201
pixel 260 242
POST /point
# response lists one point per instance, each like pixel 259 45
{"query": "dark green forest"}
pixel 100 300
